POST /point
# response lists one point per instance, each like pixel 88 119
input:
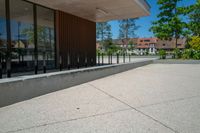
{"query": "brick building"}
pixel 146 45
pixel 150 45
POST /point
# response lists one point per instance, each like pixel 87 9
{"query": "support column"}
pixel 9 47
pixel 1 67
pixel 35 40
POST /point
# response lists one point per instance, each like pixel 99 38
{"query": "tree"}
pixel 107 44
pixel 131 45
pixel 43 38
pixel 193 13
pixel 103 32
pixel 127 28
pixel 194 16
pixel 193 26
pixel 169 25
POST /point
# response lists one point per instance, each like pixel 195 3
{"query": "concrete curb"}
pixel 173 61
pixel 26 87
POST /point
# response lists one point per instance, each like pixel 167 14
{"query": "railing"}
pixel 101 59
pixel 108 59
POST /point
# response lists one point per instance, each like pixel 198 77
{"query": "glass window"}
pixel 3 34
pixel 146 40
pixel 46 37
pixel 22 35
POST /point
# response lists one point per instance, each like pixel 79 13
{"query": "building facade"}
pixel 144 46
pixel 153 45
pixel 170 45
pixel 55 33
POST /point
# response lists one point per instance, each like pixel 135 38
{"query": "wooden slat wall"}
pixel 75 37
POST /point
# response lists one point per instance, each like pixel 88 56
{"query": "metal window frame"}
pixel 9 39
pixel 8 30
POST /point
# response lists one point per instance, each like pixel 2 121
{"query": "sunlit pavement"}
pixel 158 98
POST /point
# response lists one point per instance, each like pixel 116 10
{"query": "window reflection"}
pixel 23 45
pixel 45 32
pixel 3 35
pixel 22 35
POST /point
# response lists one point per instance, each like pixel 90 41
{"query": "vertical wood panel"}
pixel 76 37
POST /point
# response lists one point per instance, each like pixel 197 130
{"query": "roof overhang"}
pixel 99 10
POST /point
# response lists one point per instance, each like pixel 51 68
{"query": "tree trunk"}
pixel 176 42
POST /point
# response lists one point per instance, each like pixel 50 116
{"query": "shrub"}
pixel 196 55
pixel 188 54
pixel 162 54
pixel 177 53
pixel 195 43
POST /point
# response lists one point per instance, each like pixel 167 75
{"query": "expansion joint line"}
pixel 69 120
pixel 150 117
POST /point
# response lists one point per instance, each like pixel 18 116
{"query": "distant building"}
pixel 143 46
pixel 152 45
pixel 98 46
pixel 171 45
pixel 146 45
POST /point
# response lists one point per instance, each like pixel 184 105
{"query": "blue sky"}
pixel 145 22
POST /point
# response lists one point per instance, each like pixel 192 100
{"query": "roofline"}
pixel 145 5
pixel 142 10
pixel 148 3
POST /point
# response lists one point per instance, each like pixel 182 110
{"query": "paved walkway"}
pixel 152 99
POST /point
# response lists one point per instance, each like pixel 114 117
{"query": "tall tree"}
pixel 103 31
pixel 169 24
pixel 194 16
pixel 127 28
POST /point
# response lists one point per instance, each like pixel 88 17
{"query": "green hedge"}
pixel 187 54
pixel 162 54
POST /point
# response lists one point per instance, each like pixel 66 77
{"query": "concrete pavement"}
pixel 157 98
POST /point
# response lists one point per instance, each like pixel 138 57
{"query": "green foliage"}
pixel 169 24
pixel 107 44
pixel 127 28
pixel 162 54
pixel 103 33
pixel 196 55
pixel 114 48
pixel 42 36
pixel 98 51
pixel 194 16
pixel 188 54
pixel 147 53
pixel 187 46
pixel 110 47
pixel 131 45
pixel 29 32
pixel 195 42
pixel 193 13
pixel 177 54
